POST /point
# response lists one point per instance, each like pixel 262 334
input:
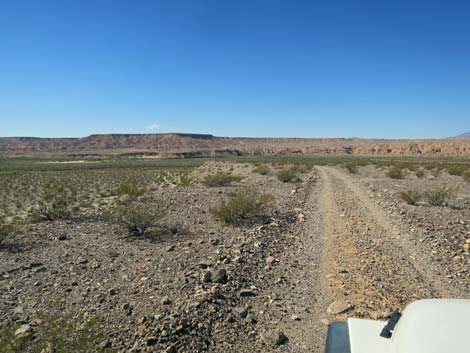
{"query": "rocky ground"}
pixel 337 245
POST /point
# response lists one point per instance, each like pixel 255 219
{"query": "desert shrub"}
pixel 246 207
pixel 6 230
pixel 456 169
pixel 262 169
pixel 138 218
pixel 56 202
pixel 185 180
pixel 466 175
pixel 221 179
pixel 352 168
pixel 131 187
pixel 411 197
pixel 288 175
pixel 443 196
pixel 395 173
pixel 420 173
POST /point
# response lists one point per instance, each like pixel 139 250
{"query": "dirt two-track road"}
pixel 336 245
pixel 355 254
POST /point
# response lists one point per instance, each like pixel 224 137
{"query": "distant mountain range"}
pixel 200 145
pixel 465 135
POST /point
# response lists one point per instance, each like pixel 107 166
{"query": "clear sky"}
pixel 306 68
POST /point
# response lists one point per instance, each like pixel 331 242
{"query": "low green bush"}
pixel 246 207
pixel 221 179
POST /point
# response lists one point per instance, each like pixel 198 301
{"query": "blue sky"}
pixel 294 68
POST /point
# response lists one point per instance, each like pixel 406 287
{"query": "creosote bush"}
pixel 288 175
pixel 352 168
pixel 248 206
pixel 221 179
pixel 138 218
pixel 395 173
pixel 262 169
pixel 411 197
pixel 457 169
pixel 443 196
pixel 420 173
pixel 6 230
pixel 57 200
pixel 131 187
pixel 466 175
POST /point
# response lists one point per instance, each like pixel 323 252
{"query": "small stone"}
pixel 151 341
pixel 105 344
pixel 170 349
pixel 171 248
pixel 207 277
pixel 274 338
pixel 62 236
pixel 338 307
pixel 221 276
pixel 112 291
pixel 166 301
pixel 24 331
pixel 242 312
pixel 295 317
pixel 113 254
pixel 246 293
pixel 270 260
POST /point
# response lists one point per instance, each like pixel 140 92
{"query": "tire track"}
pixel 368 261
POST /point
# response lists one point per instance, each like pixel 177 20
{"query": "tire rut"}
pixel 368 261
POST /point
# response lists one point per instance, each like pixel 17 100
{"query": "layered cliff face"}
pixel 187 145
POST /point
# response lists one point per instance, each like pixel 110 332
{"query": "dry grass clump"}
pixel 138 218
pixel 221 179
pixel 395 173
pixel 411 197
pixel 248 206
